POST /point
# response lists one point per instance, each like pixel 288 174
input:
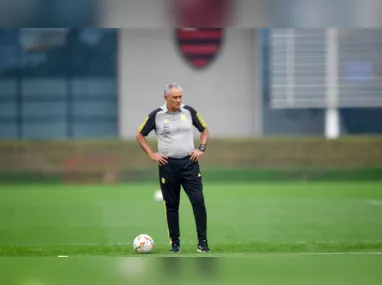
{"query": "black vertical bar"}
pixel 69 106
pixel 69 88
pixel 118 51
pixel 19 95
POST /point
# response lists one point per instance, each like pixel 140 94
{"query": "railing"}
pixel 318 68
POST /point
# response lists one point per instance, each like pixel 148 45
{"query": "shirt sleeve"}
pixel 148 124
pixel 197 120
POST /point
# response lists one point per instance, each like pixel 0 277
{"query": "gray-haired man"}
pixel 178 161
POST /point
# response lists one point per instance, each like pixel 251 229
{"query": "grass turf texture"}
pixel 262 269
pixel 243 219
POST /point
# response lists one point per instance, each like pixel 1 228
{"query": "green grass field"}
pixel 242 219
pixel 301 228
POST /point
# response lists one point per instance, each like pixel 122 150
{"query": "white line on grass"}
pixel 214 254
pixel 375 202
pixel 338 253
pixel 268 254
pixel 191 243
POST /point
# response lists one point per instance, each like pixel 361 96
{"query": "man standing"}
pixel 178 161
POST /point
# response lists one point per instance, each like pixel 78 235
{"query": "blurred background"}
pixel 79 94
pixel 67 85
pixel 290 90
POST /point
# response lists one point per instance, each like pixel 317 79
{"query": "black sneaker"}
pixel 203 247
pixel 175 248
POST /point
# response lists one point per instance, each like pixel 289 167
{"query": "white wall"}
pixel 244 13
pixel 224 93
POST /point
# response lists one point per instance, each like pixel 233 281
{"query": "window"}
pixel 58 83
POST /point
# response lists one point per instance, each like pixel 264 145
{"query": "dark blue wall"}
pixel 62 87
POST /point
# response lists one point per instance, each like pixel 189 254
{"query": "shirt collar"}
pixel 164 108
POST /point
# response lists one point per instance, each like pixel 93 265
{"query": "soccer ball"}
pixel 143 243
pixel 158 196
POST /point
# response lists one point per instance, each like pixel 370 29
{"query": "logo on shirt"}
pixel 166 127
pixel 183 117
pixel 199 47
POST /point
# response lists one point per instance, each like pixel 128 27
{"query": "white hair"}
pixel 168 87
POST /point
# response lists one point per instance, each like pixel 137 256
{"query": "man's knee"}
pixel 172 205
pixel 197 199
